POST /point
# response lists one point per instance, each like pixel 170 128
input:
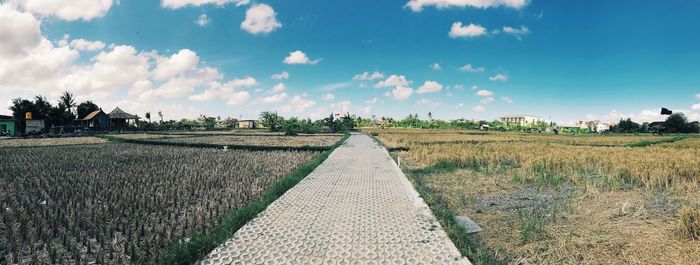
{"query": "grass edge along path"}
pixel 200 244
pixel 460 238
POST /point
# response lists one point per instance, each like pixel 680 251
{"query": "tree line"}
pixel 675 123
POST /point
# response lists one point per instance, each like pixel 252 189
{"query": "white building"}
pixel 594 126
pixel 522 120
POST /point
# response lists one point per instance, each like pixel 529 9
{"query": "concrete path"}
pixel 355 208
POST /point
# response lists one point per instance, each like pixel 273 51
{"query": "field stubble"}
pixel 123 203
pixel 544 200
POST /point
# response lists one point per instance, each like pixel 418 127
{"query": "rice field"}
pixel 561 199
pixel 122 203
pixel 29 142
pixel 260 140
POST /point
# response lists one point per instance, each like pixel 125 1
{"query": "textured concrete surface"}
pixel 355 208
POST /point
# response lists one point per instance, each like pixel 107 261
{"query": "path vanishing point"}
pixel 357 207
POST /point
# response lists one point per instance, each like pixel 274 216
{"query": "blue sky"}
pixel 568 60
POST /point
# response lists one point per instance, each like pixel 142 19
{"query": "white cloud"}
pixel 185 84
pixel 470 31
pixel 328 96
pixel 298 104
pixel 507 100
pixel 499 77
pixel 260 19
pixel 484 93
pixel 275 98
pixel 486 100
pixel 429 87
pixel 279 87
pixel 202 20
pixel 459 106
pixel 648 115
pixel 695 106
pixel 334 86
pixel 424 101
pixel 227 91
pixel 367 76
pixel 372 101
pixel 418 5
pixel 435 66
pixel 479 108
pixel 66 10
pixel 517 32
pixel 280 76
pixel 183 61
pixel 400 93
pixel 86 45
pixel 174 4
pixel 299 57
pixel 697 95
pixel 471 69
pixel 20 32
pixel 393 80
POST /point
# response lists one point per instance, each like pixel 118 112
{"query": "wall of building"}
pixel 7 126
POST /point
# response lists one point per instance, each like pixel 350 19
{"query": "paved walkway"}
pixel 355 208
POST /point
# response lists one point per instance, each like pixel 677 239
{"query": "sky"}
pixel 476 59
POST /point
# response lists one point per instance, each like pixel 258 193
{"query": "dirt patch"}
pixel 526 197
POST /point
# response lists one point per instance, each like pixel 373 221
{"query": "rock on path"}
pixel 357 207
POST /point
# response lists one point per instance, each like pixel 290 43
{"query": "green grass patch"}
pixel 649 143
pixel 200 244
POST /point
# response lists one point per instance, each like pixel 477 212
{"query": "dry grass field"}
pixel 555 199
pixel 122 203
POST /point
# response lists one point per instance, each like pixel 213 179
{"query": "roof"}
pixel 117 113
pixel 92 115
pixel 5 117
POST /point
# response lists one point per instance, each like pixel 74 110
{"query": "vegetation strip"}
pixel 444 214
pixel 221 146
pixel 199 245
pixel 648 143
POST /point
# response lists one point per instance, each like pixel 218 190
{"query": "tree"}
pixel 86 108
pixel 271 120
pixel 148 116
pixel 160 113
pixel 68 102
pixel 676 123
pixel 626 126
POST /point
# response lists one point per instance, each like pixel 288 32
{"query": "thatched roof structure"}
pixel 92 115
pixel 117 113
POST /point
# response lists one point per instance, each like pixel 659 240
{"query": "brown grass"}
pixel 270 140
pixel 608 204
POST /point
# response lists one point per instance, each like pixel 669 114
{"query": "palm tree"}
pixel 148 116
pixel 67 101
pixel 160 113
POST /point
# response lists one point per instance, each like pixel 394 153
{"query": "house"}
pixel 484 127
pixel 594 126
pixel 657 126
pixel 118 119
pixel 248 124
pixel 521 120
pixel 96 120
pixel 7 125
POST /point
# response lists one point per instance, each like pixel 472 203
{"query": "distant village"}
pixel 39 117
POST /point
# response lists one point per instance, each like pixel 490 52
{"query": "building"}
pixel 594 126
pixel 118 119
pixel 248 124
pixel 484 127
pixel 34 126
pixel 521 120
pixel 96 120
pixel 7 125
